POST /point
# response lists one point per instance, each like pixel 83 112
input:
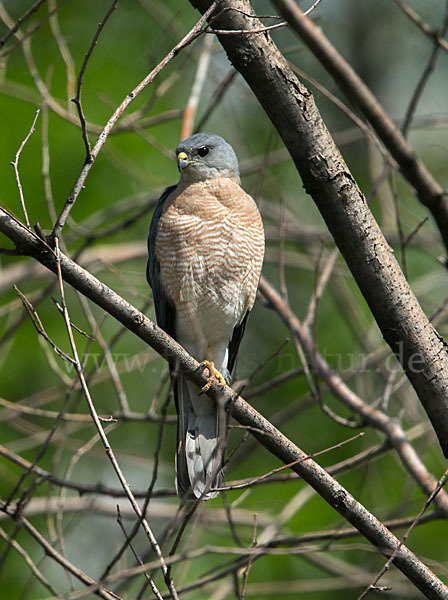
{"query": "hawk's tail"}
pixel 199 454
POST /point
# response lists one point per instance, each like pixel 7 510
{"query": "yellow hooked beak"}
pixel 182 160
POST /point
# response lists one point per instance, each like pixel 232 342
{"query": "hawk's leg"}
pixel 214 375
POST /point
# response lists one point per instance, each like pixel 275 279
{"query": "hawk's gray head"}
pixel 206 156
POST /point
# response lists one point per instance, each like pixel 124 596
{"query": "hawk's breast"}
pixel 210 247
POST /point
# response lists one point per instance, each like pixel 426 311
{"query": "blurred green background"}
pixel 390 53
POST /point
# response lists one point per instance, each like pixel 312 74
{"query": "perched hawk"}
pixel 206 248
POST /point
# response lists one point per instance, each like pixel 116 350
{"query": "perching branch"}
pixel 417 345
pixel 335 494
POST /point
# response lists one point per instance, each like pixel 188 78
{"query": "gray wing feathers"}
pixel 165 311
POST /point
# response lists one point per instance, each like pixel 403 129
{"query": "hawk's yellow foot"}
pixel 214 375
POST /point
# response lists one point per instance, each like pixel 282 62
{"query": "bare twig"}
pixel 46 164
pixel 195 95
pixel 115 376
pixel 95 588
pixel 31 31
pixel 77 98
pixel 387 565
pixel 320 284
pixel 64 52
pixel 22 19
pixel 249 562
pixel 39 326
pixel 307 12
pixel 102 434
pixel 265 476
pixel 415 18
pixel 73 485
pixel 216 98
pixel 15 164
pixel 79 184
pixel 427 71
pixel 148 496
pixel 137 557
pixel 29 561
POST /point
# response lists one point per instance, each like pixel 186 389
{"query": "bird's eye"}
pixel 203 150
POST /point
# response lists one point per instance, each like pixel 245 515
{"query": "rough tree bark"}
pixel 29 244
pixel 428 190
pixel 420 349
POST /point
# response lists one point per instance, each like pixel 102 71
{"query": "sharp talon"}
pixel 207 386
pixel 214 376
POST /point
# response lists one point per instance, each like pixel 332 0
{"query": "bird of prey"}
pixel 206 248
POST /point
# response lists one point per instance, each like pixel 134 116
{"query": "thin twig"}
pixel 216 98
pixel 415 18
pixel 15 164
pixel 439 486
pixel 321 281
pixel 77 98
pixel 22 19
pixel 64 52
pixel 31 31
pixel 111 365
pixel 153 541
pixel 39 326
pixel 29 561
pixel 95 588
pixel 245 31
pixel 73 485
pixel 198 84
pixel 307 12
pixel 250 559
pixel 265 476
pixel 424 78
pixel 148 496
pixel 46 164
pixel 80 182
pixel 137 557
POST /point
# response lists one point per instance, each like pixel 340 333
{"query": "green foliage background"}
pixel 390 53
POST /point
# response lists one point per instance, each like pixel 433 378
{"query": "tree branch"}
pixel 272 439
pixel 79 184
pixel 429 191
pixel 417 345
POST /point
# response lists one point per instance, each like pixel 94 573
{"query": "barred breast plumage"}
pixel 210 245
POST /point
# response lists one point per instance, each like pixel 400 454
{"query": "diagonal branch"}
pixel 22 19
pixel 429 191
pixel 95 587
pixel 272 439
pixel 80 182
pixel 290 106
pixel 102 434
pixel 77 98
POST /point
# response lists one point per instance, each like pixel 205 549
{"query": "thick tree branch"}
pixel 428 190
pixel 337 496
pixel 375 417
pixel 419 348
